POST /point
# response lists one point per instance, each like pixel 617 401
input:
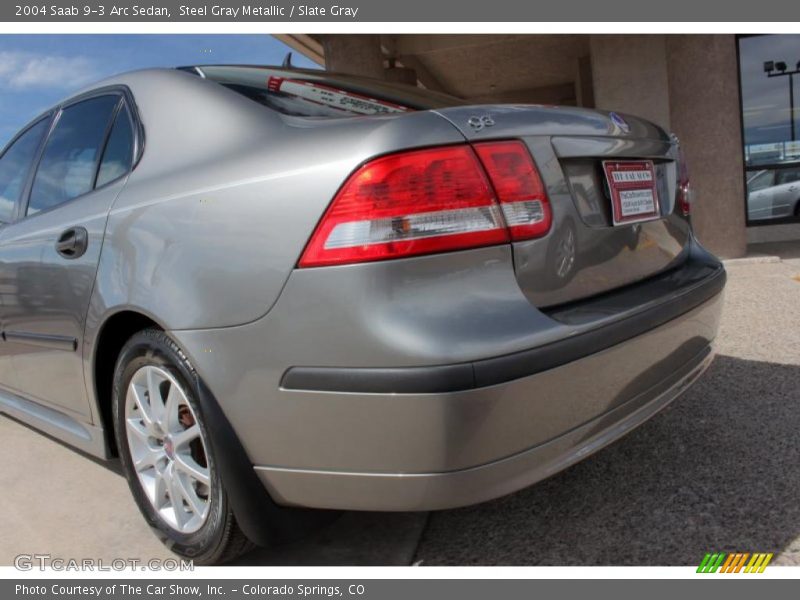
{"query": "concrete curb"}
pixel 751 260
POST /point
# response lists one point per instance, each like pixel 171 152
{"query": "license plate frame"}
pixel 634 191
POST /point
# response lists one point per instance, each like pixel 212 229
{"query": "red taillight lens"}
pixel 427 201
pixel 519 188
pixel 684 186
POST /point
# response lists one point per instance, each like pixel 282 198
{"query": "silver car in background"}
pixel 270 291
pixel 773 194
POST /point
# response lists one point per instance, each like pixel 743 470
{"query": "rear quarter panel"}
pixel 216 214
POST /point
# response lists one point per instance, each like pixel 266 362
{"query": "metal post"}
pixel 791 105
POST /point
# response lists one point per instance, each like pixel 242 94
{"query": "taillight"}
pixel 432 200
pixel 684 186
pixel 518 186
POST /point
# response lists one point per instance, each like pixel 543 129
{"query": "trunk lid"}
pixel 585 254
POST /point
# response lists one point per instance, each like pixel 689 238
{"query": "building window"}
pixel 769 67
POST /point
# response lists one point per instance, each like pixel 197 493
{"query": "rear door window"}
pixel 788 176
pixel 15 165
pixel 761 181
pixel 70 159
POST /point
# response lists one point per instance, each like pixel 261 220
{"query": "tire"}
pixel 797 209
pixel 174 456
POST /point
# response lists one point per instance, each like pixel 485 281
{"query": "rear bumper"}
pixel 434 491
pixel 624 384
pixel 528 392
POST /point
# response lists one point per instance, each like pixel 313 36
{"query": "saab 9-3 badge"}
pixel 478 123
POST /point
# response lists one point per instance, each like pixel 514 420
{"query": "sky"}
pixel 765 100
pixel 37 71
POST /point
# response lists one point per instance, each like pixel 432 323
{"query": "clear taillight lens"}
pixel 519 188
pixel 432 200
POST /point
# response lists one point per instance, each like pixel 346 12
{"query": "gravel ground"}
pixel 717 470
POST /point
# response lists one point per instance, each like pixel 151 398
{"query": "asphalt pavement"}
pixel 719 470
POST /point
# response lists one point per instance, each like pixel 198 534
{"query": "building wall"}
pixel 354 54
pixel 688 84
pixel 705 115
pixel 629 73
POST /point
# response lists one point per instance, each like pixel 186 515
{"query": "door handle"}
pixel 73 242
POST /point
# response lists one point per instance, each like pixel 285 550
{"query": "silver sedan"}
pixel 272 291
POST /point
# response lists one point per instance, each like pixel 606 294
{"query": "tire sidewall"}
pixel 155 348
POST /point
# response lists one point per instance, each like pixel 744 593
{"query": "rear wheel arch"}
pixel 259 517
pixel 112 336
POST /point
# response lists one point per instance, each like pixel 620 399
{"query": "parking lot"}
pixel 719 470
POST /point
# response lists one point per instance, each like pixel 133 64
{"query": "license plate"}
pixel 634 195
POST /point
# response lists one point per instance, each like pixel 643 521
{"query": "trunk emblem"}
pixel 478 123
pixel 619 122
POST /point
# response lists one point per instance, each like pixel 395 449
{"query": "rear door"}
pixel 761 195
pixel 588 250
pixel 51 253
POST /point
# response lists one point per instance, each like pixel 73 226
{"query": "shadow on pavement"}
pixel 371 539
pixel 719 470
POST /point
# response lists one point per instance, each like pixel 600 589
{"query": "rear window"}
pixel 322 95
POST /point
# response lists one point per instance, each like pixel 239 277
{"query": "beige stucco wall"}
pixel 705 115
pixel 629 73
pixel 354 54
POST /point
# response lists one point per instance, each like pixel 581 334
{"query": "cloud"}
pixel 28 70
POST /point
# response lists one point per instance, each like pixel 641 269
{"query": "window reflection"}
pixel 773 193
pixel 119 150
pixel 14 166
pixel 770 75
pixel 70 158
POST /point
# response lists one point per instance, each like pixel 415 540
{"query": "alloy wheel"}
pixel 167 449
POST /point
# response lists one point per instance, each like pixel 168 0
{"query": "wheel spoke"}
pixel 156 401
pixel 189 466
pixel 140 431
pixel 183 437
pixel 160 491
pixel 171 409
pixel 175 495
pixel 194 502
pixel 145 413
pixel 148 460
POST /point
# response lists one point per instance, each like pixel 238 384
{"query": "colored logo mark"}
pixel 735 562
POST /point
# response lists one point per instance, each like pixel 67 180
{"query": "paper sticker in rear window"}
pixel 332 97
